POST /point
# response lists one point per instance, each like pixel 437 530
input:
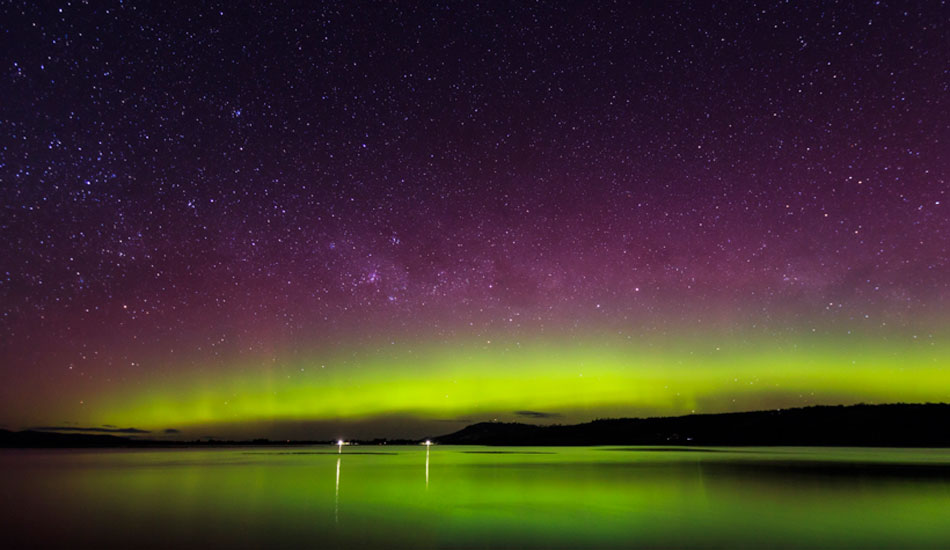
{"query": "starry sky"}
pixel 381 219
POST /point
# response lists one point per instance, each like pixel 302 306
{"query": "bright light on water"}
pixel 486 497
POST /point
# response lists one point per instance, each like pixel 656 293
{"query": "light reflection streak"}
pixel 336 496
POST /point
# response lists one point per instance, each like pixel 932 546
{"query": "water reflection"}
pixel 336 495
pixel 490 498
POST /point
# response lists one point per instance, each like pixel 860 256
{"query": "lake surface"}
pixel 476 497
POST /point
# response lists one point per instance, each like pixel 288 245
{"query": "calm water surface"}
pixel 477 497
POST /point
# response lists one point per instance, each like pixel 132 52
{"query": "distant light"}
pixel 339 442
pixel 427 443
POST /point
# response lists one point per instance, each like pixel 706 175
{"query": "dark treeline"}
pixel 896 425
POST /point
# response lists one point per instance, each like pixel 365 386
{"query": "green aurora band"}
pixel 576 381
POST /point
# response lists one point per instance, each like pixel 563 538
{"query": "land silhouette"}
pixel 891 425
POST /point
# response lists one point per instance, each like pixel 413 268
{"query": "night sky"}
pixel 358 219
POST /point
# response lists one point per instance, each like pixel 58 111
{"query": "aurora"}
pixel 441 275
pixel 540 379
pixel 331 222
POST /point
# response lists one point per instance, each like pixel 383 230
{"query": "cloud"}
pixel 172 431
pixel 99 430
pixel 537 414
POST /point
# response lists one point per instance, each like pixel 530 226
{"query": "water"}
pixel 477 497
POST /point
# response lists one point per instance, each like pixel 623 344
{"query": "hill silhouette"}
pixel 895 425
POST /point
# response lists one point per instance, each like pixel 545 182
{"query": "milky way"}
pixel 218 216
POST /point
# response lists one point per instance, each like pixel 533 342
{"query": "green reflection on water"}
pixel 477 497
